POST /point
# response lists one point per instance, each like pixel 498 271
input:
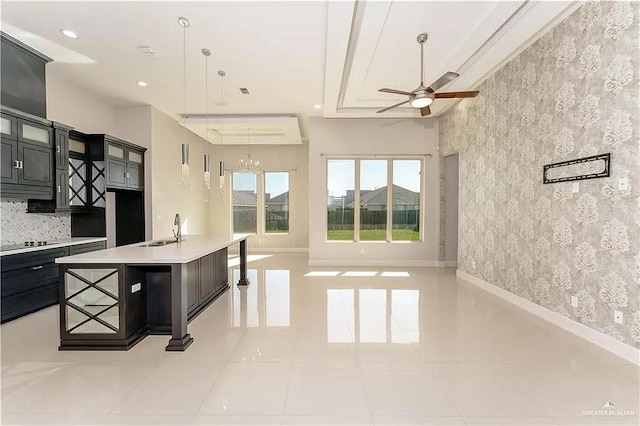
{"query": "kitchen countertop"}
pixel 54 244
pixel 191 248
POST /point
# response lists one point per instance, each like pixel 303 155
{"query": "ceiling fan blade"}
pixel 392 106
pixel 396 91
pixel 425 111
pixel 445 79
pixel 451 95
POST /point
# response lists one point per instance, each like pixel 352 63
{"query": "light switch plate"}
pixel 618 317
pixel 136 287
pixel 574 301
pixel 623 184
pixel 575 187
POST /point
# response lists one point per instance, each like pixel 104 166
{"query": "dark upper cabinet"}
pixel 61 141
pixel 124 164
pixel 60 170
pixel 34 133
pixel 36 165
pixel 116 173
pixel 10 165
pixel 27 156
pixel 9 126
pixel 23 84
pixel 62 190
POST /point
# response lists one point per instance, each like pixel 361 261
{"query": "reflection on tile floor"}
pixel 302 346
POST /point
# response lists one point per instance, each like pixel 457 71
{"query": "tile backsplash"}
pixel 17 225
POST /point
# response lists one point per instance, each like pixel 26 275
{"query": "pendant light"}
pixel 222 75
pixel 185 23
pixel 207 159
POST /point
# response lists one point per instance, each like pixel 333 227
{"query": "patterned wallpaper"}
pixel 17 225
pixel 572 94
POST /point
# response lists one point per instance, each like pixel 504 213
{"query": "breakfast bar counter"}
pixel 111 299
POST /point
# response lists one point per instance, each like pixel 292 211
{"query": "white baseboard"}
pixel 281 250
pixel 610 344
pixel 370 262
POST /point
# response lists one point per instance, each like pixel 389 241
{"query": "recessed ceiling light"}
pixel 142 83
pixel 69 33
pixel 317 106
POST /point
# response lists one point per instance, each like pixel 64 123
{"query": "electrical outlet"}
pixel 361 251
pixel 574 301
pixel 575 187
pixel 618 317
pixel 623 184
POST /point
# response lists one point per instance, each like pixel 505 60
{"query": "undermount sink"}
pixel 160 243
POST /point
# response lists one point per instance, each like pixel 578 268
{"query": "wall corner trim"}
pixel 627 352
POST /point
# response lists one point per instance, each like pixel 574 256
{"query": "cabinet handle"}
pixel 16 164
pixel 58 189
pixel 35 268
pixel 58 149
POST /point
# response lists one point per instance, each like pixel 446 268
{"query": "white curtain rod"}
pixel 384 156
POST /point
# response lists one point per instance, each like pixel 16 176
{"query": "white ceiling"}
pixel 290 55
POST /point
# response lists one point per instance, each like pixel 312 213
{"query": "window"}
pixel 406 200
pixel 245 203
pixel 374 199
pixel 276 202
pixel 341 176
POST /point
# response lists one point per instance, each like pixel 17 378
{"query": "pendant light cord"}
pixel 184 78
pixel 206 99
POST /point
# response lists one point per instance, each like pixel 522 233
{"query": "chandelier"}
pixel 248 164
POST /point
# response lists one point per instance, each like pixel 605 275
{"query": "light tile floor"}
pixel 422 349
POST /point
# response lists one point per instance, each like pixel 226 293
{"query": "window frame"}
pixel 264 204
pixel 261 218
pixel 356 208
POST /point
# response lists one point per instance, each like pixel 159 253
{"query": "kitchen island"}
pixel 112 299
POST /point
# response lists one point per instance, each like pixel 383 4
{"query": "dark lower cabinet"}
pixel 30 280
pixel 207 276
pixel 193 284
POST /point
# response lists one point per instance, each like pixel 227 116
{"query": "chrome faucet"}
pixel 176 222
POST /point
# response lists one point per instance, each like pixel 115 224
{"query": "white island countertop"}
pixel 192 247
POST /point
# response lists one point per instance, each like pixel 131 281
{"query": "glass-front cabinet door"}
pixel 91 301
pixel 78 173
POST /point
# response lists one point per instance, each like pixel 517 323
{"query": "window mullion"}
pixel 261 216
pixel 389 199
pixel 356 207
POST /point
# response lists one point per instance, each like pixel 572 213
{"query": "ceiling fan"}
pixel 423 96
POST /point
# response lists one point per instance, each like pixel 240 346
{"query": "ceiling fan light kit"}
pixel 422 97
pixel 421 100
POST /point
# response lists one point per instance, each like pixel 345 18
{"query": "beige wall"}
pixel 134 125
pixel 71 105
pixel 168 193
pixel 572 94
pixel 359 137
pixel 291 158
